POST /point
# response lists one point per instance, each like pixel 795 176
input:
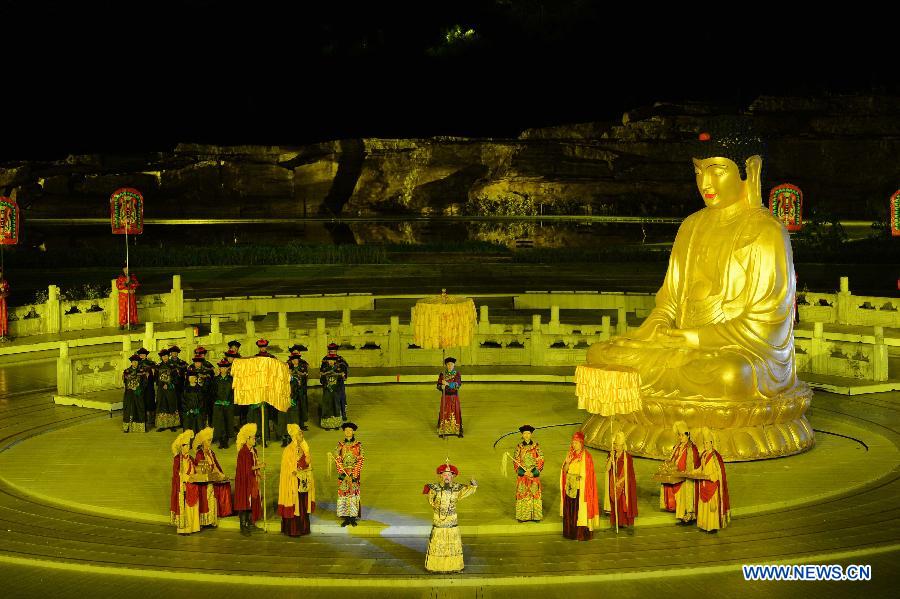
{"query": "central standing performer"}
pixel 348 458
pixel 332 374
pixel 444 553
pixel 529 462
pixel 296 489
pixel 579 508
pixel 246 480
pixel 450 414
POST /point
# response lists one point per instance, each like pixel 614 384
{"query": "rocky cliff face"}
pixel 841 151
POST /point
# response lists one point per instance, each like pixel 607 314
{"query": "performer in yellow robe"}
pixel 444 553
pixel 296 487
pixel 185 497
pixel 718 347
pixel 681 498
pixel 714 505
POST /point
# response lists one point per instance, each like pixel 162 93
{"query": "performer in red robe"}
pixel 184 501
pixel 681 498
pixel 219 485
pixel 579 505
pixel 450 414
pixel 625 485
pixel 127 300
pixel 714 507
pixel 247 502
pixel 4 321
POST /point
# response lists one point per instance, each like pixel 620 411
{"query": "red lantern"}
pixel 895 217
pixel 126 211
pixel 9 221
pixel 786 204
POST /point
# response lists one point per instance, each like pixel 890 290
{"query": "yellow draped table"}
pixel 443 321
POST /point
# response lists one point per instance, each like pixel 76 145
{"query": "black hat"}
pixel 143 351
pixel 198 359
pixel 526 427
pixel 174 349
pixel 232 354
pixel 224 363
pixel 296 348
pixel 163 352
pixel 448 359
pixel 200 350
pixel 730 139
pixel 262 343
pixel 134 358
pixel 234 343
pixel 333 346
pixel 349 425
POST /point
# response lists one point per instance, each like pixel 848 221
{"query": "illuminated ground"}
pixel 63 468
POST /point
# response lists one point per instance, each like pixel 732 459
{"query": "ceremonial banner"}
pixel 126 211
pixel 895 218
pixel 9 221
pixel 786 204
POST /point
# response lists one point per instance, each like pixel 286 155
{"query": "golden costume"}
pixel 444 553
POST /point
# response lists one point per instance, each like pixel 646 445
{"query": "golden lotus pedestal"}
pixel 747 430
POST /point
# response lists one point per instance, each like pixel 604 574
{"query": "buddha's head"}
pixel 728 166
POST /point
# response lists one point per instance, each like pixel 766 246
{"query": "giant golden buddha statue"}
pixel 717 351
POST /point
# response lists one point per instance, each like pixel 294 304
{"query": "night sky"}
pixel 129 76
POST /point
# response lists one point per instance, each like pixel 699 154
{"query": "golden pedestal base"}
pixel 747 430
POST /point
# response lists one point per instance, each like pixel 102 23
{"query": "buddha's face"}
pixel 719 181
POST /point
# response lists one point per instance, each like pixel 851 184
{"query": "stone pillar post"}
pixel 52 311
pixel 149 340
pixel 250 331
pixel 880 354
pixel 605 326
pixel 621 321
pixel 188 349
pixel 554 319
pixel 320 339
pixel 818 360
pixel 393 348
pixel 113 305
pixel 283 332
pixel 484 321
pixel 64 370
pixel 537 354
pixel 175 305
pixel 215 330
pixel 843 303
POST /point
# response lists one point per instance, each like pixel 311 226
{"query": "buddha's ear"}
pixel 753 166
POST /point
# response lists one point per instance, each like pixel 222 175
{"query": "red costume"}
pixel 627 490
pixel 669 491
pixel 127 299
pixel 191 492
pixel 246 484
pixel 4 322
pixel 714 490
pixel 580 510
pixel 450 413
pixel 221 489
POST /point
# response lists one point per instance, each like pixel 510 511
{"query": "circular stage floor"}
pixel 83 504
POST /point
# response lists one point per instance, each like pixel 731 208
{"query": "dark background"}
pixel 128 76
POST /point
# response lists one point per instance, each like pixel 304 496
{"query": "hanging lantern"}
pixel 126 211
pixel 895 217
pixel 786 204
pixel 9 221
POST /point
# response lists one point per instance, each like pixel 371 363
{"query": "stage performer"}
pixel 149 367
pixel 247 479
pixel 348 458
pixel 193 401
pixel 134 411
pixel 292 415
pixel 219 485
pixel 296 488
pixel 450 414
pixel 167 408
pixel 127 285
pixel 714 507
pixel 4 320
pixel 223 405
pixel 185 498
pixel 181 366
pixel 528 462
pixel 579 506
pixel 208 506
pixel 625 484
pixel 262 346
pixel 444 553
pixel 332 374
pixel 205 380
pixel 681 498
pixel 300 378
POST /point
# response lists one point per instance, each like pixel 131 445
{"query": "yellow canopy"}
pixel 443 321
pixel 608 390
pixel 261 379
